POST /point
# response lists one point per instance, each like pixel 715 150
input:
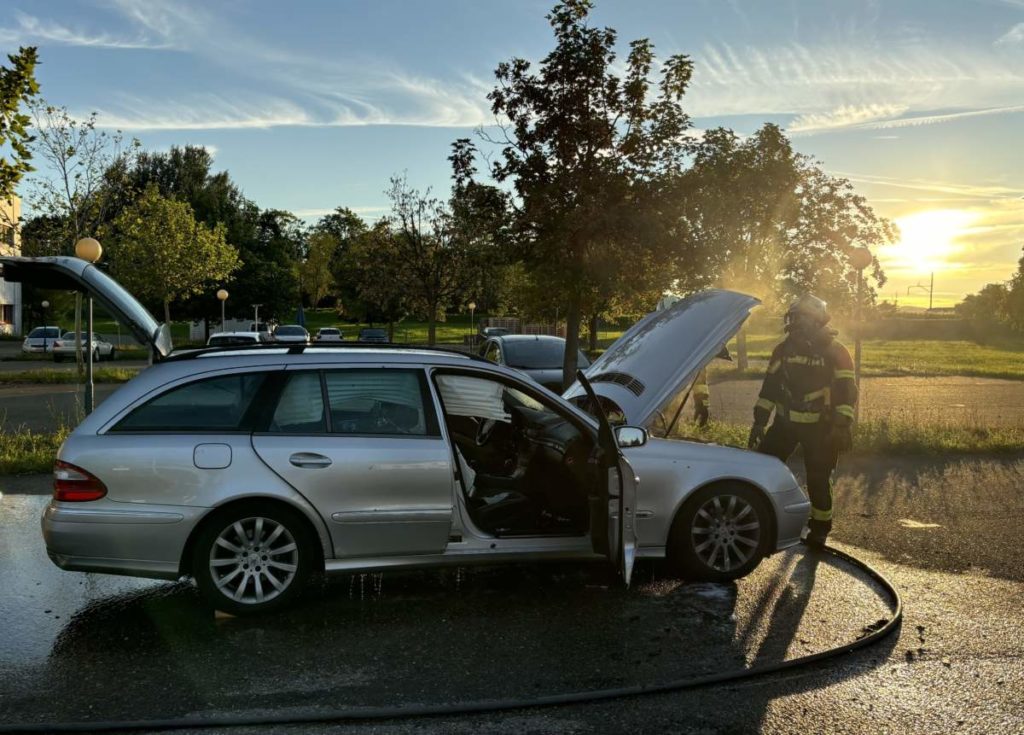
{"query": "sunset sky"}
pixel 311 105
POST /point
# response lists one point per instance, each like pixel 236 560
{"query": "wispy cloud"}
pixel 843 117
pixel 1014 35
pixel 31 29
pixel 967 191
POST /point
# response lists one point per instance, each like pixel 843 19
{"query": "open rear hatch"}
pixel 63 273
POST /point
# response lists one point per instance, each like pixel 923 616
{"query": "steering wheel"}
pixel 484 430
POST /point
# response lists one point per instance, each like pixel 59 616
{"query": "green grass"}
pixel 27 451
pixel 888 437
pixel 47 375
pixel 888 358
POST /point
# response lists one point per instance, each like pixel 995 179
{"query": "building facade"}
pixel 10 244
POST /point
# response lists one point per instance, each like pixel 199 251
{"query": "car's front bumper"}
pixel 100 536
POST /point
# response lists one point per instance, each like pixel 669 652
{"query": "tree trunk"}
pixel 391 331
pixel 432 326
pixel 594 322
pixel 741 350
pixel 167 313
pixel 572 341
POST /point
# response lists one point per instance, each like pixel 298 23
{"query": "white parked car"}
pixel 235 339
pixel 329 334
pixel 64 348
pixel 40 340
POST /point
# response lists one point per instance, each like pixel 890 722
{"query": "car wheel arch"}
pixel 185 562
pixel 770 540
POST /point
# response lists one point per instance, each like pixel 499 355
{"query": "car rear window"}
pixel 237 339
pixel 373 333
pixel 41 332
pixel 539 354
pixel 290 332
pixel 329 331
pixel 213 404
pixel 379 401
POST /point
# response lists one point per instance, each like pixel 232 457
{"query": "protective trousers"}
pixel 820 460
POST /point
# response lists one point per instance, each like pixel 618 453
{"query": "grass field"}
pixel 46 375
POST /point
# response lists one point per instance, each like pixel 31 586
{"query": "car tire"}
pixel 721 533
pixel 113 354
pixel 272 576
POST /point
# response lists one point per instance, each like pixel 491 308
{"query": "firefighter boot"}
pixel 817 533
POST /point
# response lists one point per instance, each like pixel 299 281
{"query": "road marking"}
pixel 908 523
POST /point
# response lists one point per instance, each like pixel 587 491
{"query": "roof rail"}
pixel 300 348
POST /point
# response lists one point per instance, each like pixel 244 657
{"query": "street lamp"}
pixel 45 305
pixel 860 258
pixel 88 248
pixel 223 296
pixel 472 330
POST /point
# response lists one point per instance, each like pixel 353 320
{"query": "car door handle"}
pixel 309 459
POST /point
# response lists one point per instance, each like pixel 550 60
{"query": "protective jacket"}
pixel 810 380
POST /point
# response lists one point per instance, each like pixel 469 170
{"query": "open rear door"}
pixel 74 274
pixel 613 499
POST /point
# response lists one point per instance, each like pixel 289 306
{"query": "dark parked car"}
pixel 372 334
pixel 537 355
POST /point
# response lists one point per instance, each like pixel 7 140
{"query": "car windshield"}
pixel 290 332
pixel 538 354
pixel 41 332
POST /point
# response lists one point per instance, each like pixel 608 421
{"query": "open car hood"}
pixel 660 354
pixel 73 274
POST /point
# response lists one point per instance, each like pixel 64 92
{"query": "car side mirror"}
pixel 630 436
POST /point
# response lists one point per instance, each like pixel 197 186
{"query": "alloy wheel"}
pixel 254 560
pixel 725 532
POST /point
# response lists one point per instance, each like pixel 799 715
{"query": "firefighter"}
pixel 810 386
pixel 701 399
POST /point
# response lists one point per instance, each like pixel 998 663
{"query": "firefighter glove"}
pixel 756 436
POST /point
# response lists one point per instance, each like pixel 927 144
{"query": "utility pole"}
pixel 929 288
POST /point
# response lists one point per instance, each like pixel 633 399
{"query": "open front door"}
pixel 613 499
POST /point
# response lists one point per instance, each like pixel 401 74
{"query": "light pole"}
pixel 860 258
pixel 45 305
pixel 223 296
pixel 89 249
pixel 256 317
pixel 930 288
pixel 472 330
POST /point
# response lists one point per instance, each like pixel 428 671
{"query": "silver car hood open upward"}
pixel 63 273
pixel 661 353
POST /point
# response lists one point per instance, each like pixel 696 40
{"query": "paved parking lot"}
pixel 117 648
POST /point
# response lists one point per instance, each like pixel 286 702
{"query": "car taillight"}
pixel 75 484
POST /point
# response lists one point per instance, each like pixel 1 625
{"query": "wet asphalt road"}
pixel 92 646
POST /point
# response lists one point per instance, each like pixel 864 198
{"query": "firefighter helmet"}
pixel 808 307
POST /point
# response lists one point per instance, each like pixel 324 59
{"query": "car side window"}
pixel 212 404
pixel 384 401
pixel 300 409
pixel 494 353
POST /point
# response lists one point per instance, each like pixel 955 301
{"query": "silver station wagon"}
pixel 253 468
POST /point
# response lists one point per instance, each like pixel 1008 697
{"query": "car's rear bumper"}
pixel 102 537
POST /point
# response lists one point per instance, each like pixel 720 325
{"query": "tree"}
pixel 18 87
pixel 315 271
pixel 590 156
pixel 375 274
pixel 432 248
pixel 163 254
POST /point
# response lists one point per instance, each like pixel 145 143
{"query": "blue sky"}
pixel 311 105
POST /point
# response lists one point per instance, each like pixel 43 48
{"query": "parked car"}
pixel 539 356
pixel 373 335
pixel 40 340
pixel 291 333
pixel 234 339
pixel 329 334
pixel 486 332
pixel 64 348
pixel 277 464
